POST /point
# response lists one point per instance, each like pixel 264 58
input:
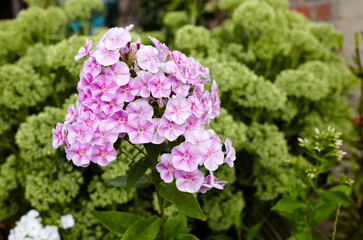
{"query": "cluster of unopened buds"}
pixel 147 94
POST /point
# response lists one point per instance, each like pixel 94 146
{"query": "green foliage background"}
pixel 279 77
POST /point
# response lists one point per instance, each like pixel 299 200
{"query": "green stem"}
pixel 336 221
pixel 161 214
pixel 138 149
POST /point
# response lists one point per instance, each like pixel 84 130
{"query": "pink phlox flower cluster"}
pixel 147 94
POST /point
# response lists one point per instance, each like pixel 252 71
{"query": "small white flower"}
pixel 67 221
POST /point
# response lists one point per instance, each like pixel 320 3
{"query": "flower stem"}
pixel 336 221
pixel 161 214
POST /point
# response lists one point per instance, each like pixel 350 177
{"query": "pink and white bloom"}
pixel 230 153
pixel 186 157
pixel 208 184
pixel 140 131
pixel 105 133
pixel 197 136
pixel 80 154
pixel 91 120
pixel 103 154
pixel 119 120
pixel 140 108
pixel 103 88
pixel 105 56
pixel 116 104
pixel 117 38
pixel 160 85
pixel 143 79
pixel 212 154
pixel 129 91
pixel 78 132
pixel 92 66
pixel 195 106
pixel 189 181
pixel 177 110
pixel 71 115
pixel 157 138
pixel 166 168
pixel 147 58
pixel 120 73
pixel 58 135
pixel 170 130
pixel 83 51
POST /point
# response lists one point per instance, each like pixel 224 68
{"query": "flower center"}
pixel 170 168
pixel 103 153
pixel 89 123
pixel 210 154
pixel 176 110
pixel 170 126
pixel 112 103
pixel 80 134
pixel 121 120
pixel 158 86
pixel 81 152
pixel 103 134
pixel 186 156
pixel 104 89
pixel 127 89
pixel 189 179
pixel 139 112
pixel 140 130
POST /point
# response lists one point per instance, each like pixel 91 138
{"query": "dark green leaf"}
pixel 335 196
pixel 252 233
pixel 176 225
pixel 135 173
pixel 321 212
pixel 143 229
pixel 116 222
pixel 221 237
pixel 185 202
pixel 121 181
pixel 153 151
pixel 186 236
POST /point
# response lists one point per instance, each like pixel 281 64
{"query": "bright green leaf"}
pixel 121 181
pixel 335 196
pixel 342 188
pixel 186 203
pixel 137 170
pixel 116 222
pixel 143 229
pixel 288 205
pixel 252 233
pixel 321 212
pixel 186 236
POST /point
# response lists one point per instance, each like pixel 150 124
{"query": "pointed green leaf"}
pixel 116 222
pixel 153 151
pixel 186 236
pixel 321 212
pixel 335 196
pixel 143 229
pixel 185 202
pixel 176 225
pixel 288 206
pixel 121 181
pixel 136 171
pixel 252 233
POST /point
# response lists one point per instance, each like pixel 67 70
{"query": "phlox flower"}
pixel 78 131
pixel 230 153
pixel 105 133
pixel 129 91
pixel 85 82
pixel 58 135
pixel 195 106
pixel 80 154
pixel 193 123
pixel 105 56
pixel 157 138
pixel 186 157
pixel 83 51
pixel 70 115
pixel 116 104
pixel 120 73
pixel 140 108
pixel 178 87
pixel 177 110
pixel 160 85
pixel 103 154
pixel 92 66
pixel 170 130
pixel 119 120
pixel 142 80
pixel 197 136
pixel 208 184
pixel 166 168
pixel 147 58
pixel 140 131
pixel 172 68
pixel 117 38
pixel 189 181
pixel 180 58
pixel 103 88
pixel 212 154
pixel 91 120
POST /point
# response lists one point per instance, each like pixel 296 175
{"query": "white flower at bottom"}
pixel 67 221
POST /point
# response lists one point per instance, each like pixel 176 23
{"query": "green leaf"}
pixel 185 202
pixel 136 171
pixel 335 196
pixel 121 181
pixel 143 229
pixel 221 237
pixel 252 233
pixel 186 236
pixel 176 225
pixel 116 222
pixel 321 212
pixel 153 151
pixel 289 206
